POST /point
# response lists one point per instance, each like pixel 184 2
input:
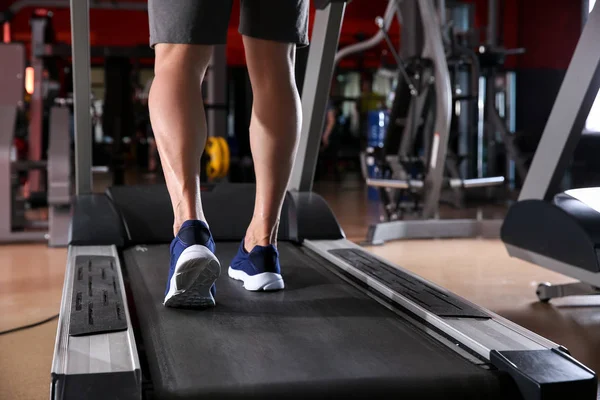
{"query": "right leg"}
pixel 184 32
pixel 272 29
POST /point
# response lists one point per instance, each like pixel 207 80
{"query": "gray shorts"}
pixel 206 21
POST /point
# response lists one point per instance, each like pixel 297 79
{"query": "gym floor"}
pixel 479 270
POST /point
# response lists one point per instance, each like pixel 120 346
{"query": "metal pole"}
pixel 481 101
pixel 388 17
pixel 319 73
pixel 216 88
pixel 80 36
pixel 38 32
pixel 492 28
pixel 442 12
pixel 434 49
pixel 412 30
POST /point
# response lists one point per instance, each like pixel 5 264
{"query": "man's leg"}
pixel 274 129
pixel 183 33
pixel 179 124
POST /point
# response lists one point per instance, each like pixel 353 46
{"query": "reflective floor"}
pixel 479 270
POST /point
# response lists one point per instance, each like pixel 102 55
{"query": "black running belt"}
pixel 319 336
pixel 423 294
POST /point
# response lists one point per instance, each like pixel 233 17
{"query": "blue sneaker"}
pixel 194 268
pixel 259 269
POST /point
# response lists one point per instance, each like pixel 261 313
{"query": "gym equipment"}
pixel 391 11
pixel 348 324
pixel 412 183
pixel 559 231
pixel 41 33
pixel 498 120
pixel 217 152
pixel 14 226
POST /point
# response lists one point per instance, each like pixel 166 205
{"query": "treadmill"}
pixel 561 230
pixel 348 325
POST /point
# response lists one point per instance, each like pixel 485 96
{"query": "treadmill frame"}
pixel 83 363
pixel 473 333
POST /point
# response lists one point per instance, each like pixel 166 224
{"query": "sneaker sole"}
pixel 196 271
pixel 267 281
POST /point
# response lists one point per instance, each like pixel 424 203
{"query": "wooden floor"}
pixel 31 281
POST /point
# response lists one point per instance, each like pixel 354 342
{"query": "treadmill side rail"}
pixel 101 365
pixel 481 335
pixel 539 367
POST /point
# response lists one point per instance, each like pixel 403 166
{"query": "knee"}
pixel 181 59
pixel 271 68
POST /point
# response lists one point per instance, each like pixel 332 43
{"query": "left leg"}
pixel 183 33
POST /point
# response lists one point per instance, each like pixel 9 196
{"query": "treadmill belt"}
pixel 408 285
pixel 318 336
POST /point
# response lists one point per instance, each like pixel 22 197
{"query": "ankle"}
pixel 253 239
pixel 179 221
pixel 186 207
pixel 261 233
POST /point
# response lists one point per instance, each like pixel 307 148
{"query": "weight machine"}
pixel 14 226
pixel 426 115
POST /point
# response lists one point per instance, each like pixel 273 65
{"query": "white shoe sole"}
pixel 266 281
pixel 196 271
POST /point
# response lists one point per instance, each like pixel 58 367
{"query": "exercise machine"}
pixel 423 108
pixel 349 324
pixel 14 225
pixel 496 107
pixel 559 231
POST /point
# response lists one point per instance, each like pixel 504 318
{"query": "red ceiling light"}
pixel 41 12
